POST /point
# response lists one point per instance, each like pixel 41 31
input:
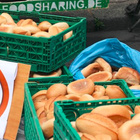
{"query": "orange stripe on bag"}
pixel 5 90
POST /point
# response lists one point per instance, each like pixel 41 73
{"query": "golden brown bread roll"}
pixel 113 74
pixel 41 112
pixel 73 97
pixel 56 90
pixel 49 105
pixel 42 34
pixel 52 74
pixel 24 22
pixel 114 92
pixel 128 129
pixel 103 137
pixel 21 30
pixel 131 76
pixel 117 113
pixel 99 91
pixel 136 117
pixel 44 25
pixel 47 128
pixel 104 64
pixel 102 98
pixel 100 76
pixel 86 97
pixel 95 124
pixel 6 29
pixel 135 137
pixel 67 35
pixel 8 17
pixel 33 29
pixel 137 87
pixel 54 30
pixel 42 120
pixel 80 87
pixel 91 68
pixel 73 123
pixel 39 104
pixel 2 20
pixel 40 96
pixel 137 109
pixel 50 115
pixel 86 136
pixel 62 25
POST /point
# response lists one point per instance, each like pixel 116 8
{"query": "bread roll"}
pixel 99 91
pixel 44 25
pixel 21 30
pixel 2 20
pixel 52 74
pixel 40 96
pixel 20 22
pixel 80 87
pixel 67 35
pixel 50 115
pixel 137 87
pixel 114 92
pixel 33 29
pixel 104 64
pixel 73 97
pixel 102 98
pixel 56 90
pixel 137 109
pixel 86 136
pixel 100 76
pixel 39 104
pixel 86 97
pixel 42 34
pixel 136 117
pixel 73 123
pixel 8 17
pixel 91 68
pixel 131 76
pixel 42 120
pixel 47 128
pixel 49 105
pixel 113 74
pixel 41 112
pixel 135 137
pixel 128 129
pixel 27 22
pixel 62 25
pixel 117 113
pixel 103 137
pixel 54 30
pixel 6 29
pixel 95 124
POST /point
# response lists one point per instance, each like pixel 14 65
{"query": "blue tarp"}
pixel 116 53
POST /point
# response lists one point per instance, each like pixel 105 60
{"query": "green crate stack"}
pixel 33 128
pixel 43 54
pixel 66 111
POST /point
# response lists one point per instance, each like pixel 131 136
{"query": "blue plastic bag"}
pixel 116 53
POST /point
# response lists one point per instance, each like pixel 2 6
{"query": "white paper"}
pixel 9 70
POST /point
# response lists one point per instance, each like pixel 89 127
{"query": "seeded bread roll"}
pixel 80 87
pixel 131 76
pixel 100 76
pixel 91 68
pixel 114 92
pixel 94 124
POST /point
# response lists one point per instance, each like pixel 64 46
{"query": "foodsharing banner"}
pixel 116 53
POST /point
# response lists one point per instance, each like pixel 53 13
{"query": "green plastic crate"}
pixel 43 54
pixel 32 127
pixel 66 111
pixel 66 76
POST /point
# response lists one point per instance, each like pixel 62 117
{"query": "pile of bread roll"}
pixel 101 70
pixel 31 28
pixel 80 90
pixel 109 122
pixel 56 73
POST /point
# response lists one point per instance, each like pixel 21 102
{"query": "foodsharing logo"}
pixel 5 92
